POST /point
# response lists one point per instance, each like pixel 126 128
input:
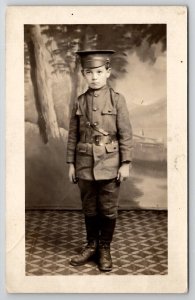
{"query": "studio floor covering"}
pixel 139 245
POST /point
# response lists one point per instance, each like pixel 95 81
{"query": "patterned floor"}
pixel 139 245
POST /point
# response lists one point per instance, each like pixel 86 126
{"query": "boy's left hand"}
pixel 123 172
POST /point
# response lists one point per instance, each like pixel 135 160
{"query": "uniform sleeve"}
pixel 72 136
pixel 124 128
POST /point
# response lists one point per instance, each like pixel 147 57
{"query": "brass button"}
pixel 95 94
pixel 95 108
pixel 95 123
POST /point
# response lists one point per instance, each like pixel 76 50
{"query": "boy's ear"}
pixel 108 72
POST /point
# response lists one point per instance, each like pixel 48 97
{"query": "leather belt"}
pixel 99 140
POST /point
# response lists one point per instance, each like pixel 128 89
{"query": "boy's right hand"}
pixel 72 173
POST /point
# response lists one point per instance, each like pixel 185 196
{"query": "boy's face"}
pixel 96 77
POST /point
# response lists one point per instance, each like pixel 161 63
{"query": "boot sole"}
pixel 92 258
pixel 77 265
pixel 105 269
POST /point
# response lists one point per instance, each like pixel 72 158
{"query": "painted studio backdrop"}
pixel 53 80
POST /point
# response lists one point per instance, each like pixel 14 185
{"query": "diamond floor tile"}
pixel 139 245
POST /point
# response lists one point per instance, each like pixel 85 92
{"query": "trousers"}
pixel 100 197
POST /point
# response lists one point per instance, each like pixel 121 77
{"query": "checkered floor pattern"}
pixel 139 246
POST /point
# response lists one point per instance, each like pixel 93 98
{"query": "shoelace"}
pixel 105 252
pixel 104 246
pixel 88 246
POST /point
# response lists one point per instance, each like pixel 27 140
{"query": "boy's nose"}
pixel 94 76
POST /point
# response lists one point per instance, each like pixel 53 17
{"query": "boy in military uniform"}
pixel 99 155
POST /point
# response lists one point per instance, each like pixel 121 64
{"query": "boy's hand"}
pixel 72 173
pixel 123 172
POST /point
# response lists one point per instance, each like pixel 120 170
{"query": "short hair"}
pixel 107 65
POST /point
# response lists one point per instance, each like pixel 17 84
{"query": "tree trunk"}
pixel 44 84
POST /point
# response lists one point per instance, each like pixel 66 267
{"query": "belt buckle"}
pixel 109 139
pixel 98 140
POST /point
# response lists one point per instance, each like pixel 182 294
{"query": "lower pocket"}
pixel 113 147
pixel 84 162
pixel 84 149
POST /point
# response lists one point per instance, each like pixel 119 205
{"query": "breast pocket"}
pixel 109 111
pixel 109 116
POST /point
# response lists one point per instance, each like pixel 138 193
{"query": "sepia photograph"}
pixel 97 152
pixel 124 91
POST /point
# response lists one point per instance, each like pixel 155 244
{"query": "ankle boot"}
pixel 107 231
pixel 89 252
pixel 105 259
pixel 86 254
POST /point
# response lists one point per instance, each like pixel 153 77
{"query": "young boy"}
pixel 99 154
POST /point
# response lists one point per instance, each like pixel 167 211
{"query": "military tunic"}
pixel 107 110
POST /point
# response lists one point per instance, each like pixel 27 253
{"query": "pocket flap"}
pixel 112 147
pixel 109 111
pixel 82 148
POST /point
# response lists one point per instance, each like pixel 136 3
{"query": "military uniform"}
pixel 99 140
pixel 98 160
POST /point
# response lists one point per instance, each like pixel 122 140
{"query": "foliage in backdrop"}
pixel 52 65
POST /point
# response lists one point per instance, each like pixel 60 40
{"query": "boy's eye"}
pixel 99 72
